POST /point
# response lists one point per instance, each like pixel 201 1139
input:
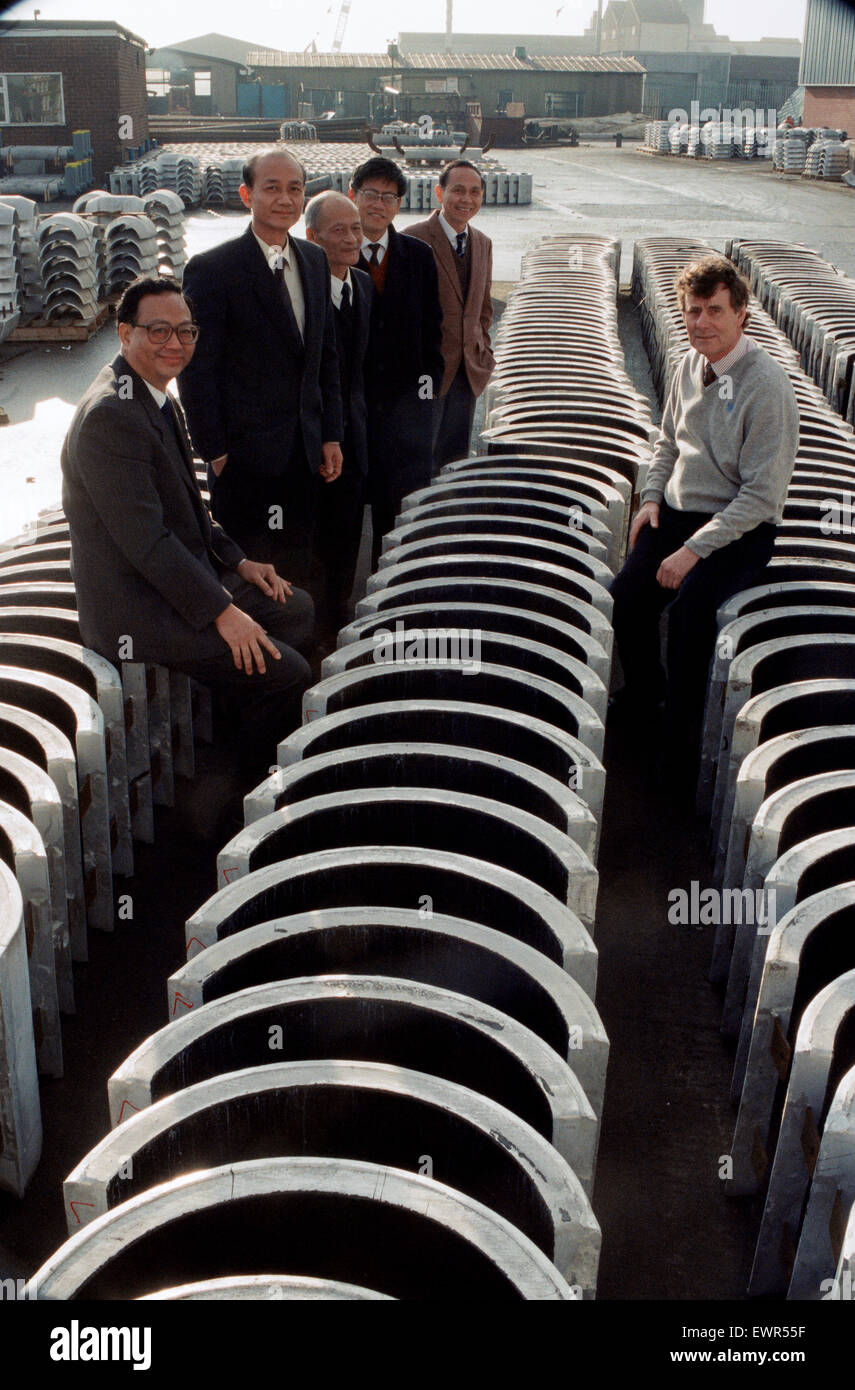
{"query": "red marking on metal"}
pixel 198 943
pixel 75 1205
pixel 127 1103
pixel 179 999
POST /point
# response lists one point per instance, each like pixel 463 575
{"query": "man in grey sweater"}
pixel 713 497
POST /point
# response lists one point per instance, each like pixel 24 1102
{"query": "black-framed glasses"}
pixel 374 197
pixel 159 332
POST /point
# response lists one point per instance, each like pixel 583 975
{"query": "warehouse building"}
pixel 828 65
pixel 382 86
pixel 58 76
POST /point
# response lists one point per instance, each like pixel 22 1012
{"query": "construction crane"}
pixel 341 25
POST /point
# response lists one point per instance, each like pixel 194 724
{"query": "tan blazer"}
pixel 465 327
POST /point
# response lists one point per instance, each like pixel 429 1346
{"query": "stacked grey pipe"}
pixel 386 1023
pixel 778 781
pixel 212 174
pixel 84 754
pixel 814 304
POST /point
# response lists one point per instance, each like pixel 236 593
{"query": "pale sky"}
pixel 284 24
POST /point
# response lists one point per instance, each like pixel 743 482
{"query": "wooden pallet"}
pixel 60 331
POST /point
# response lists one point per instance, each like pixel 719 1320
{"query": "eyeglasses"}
pixel 160 332
pixel 372 196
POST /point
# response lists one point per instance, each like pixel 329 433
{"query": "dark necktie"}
pixel 345 306
pixel 461 243
pixel 373 247
pixel 171 419
pixel 709 374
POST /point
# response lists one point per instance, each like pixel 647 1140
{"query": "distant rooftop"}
pixel 215 46
pixel 454 62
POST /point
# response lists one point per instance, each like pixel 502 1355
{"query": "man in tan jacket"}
pixel 464 261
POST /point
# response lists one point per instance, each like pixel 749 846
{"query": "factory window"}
pixel 31 98
pixel 201 83
pixel 157 82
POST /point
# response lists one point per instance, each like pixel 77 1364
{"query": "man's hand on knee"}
pixel 265 578
pixel 246 639
pixel 647 515
pixel 674 568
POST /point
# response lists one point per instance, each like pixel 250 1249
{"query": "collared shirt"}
pixel 159 396
pixel 336 287
pixel 451 233
pixel 724 364
pixel 382 242
pixel 290 274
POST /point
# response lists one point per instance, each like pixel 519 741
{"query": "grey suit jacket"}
pixel 147 560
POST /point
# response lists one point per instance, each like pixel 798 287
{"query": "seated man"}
pixel 713 497
pixel 156 580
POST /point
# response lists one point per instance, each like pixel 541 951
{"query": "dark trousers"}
pixel 272 519
pixel 261 709
pixel 639 602
pixel 337 538
pixel 453 414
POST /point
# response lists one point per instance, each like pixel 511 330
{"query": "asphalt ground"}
pixel 669 1232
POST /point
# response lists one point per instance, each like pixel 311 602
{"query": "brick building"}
pixel 58 76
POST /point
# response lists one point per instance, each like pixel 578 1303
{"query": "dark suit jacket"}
pixel 351 363
pixel 465 326
pixel 253 390
pixel 403 349
pixel 146 557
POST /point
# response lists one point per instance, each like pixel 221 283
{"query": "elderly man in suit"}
pixel 404 365
pixel 262 392
pixel 332 222
pixel 464 261
pixel 156 580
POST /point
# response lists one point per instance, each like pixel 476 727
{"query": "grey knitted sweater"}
pixel 727 449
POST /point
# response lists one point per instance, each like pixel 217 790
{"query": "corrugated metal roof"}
pixel 441 62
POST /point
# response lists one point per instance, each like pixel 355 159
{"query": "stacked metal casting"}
pixel 69 267
pixel 814 304
pixel 386 1025
pixel 10 273
pixel 778 781
pixel 212 174
pixel 83 757
pixel 30 290
pixel 162 208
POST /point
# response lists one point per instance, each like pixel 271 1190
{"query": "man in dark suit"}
pixel 333 223
pixel 464 261
pixel 262 392
pixel 404 366
pixel 156 580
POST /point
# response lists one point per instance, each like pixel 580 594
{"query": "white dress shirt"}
pixel 159 396
pixel 274 255
pixel 382 242
pixel 336 287
pixel 451 233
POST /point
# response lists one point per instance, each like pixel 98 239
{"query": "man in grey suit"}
pixel 156 579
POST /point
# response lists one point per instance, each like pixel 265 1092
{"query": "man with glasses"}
pixel 156 580
pixel 404 365
pixel 262 393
